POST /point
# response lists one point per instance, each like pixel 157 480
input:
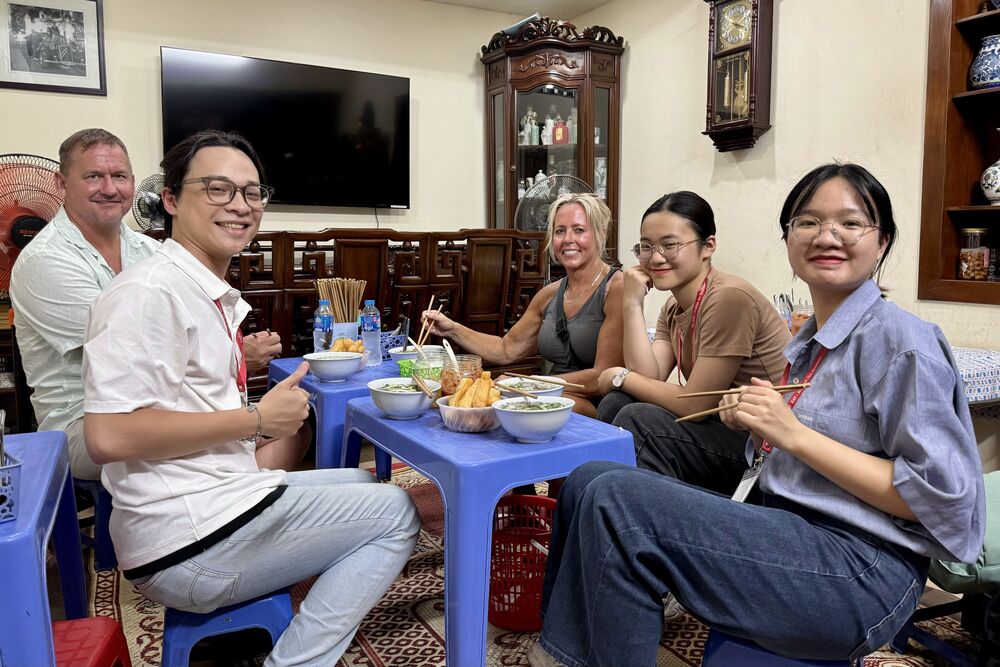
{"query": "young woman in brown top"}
pixel 718 331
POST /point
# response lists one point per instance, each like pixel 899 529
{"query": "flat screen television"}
pixel 327 137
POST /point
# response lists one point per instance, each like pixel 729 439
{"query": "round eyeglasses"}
pixel 222 190
pixel 848 231
pixel 668 251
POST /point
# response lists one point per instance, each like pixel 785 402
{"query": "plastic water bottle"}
pixel 371 332
pixel 322 323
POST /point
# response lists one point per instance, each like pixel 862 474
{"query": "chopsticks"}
pixel 345 296
pixel 781 389
pixel 427 333
pixel 423 387
pixel 548 380
pixel 422 336
pixel 514 390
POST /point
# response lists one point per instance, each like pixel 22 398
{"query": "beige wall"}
pixel 849 83
pixel 849 80
pixel 435 45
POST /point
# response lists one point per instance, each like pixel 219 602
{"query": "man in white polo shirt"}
pixel 197 525
pixel 59 274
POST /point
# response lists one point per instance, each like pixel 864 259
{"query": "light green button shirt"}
pixel 53 285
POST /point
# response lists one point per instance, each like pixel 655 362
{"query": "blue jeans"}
pixel 354 533
pixel 706 453
pixel 796 582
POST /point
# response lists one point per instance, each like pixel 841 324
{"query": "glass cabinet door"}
pixel 602 120
pixel 547 121
pixel 499 168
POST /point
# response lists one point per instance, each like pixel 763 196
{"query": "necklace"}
pixel 567 297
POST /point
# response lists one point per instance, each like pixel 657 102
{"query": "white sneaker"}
pixel 672 609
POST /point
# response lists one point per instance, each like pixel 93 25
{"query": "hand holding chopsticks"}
pixel 781 389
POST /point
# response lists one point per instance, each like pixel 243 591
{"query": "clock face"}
pixel 733 25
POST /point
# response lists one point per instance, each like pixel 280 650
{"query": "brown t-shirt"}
pixel 735 320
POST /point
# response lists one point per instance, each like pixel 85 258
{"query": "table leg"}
pixel 467 535
pixel 351 449
pixel 329 434
pixel 66 539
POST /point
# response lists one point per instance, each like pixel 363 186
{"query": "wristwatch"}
pixel 619 379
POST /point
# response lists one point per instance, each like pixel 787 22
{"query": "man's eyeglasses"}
pixel 848 231
pixel 222 190
pixel 668 251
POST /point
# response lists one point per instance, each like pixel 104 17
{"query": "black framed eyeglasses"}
pixel 668 251
pixel 848 231
pixel 222 190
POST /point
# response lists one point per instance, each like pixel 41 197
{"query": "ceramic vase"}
pixel 990 182
pixel 985 69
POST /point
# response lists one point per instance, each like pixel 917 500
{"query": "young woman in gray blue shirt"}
pixel 865 475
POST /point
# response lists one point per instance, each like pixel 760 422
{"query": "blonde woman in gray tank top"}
pixel 575 323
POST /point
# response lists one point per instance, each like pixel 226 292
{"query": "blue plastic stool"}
pixel 183 629
pixel 722 650
pixel 104 549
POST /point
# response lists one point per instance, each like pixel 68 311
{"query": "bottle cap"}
pixel 369 302
pixel 324 302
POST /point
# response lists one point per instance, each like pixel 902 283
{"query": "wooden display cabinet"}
pixel 960 141
pixel 550 65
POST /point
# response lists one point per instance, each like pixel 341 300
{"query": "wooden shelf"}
pixel 959 144
pixel 977 26
pixel 984 95
pixel 962 291
pixel 979 215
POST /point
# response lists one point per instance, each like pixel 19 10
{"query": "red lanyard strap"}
pixel 691 329
pixel 765 447
pixel 241 362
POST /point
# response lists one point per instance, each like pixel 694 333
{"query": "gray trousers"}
pixel 706 453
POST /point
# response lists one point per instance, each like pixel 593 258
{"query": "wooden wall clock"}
pixel 739 72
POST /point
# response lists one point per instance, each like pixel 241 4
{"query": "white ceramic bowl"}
pixel 397 352
pixel 552 389
pixel 401 405
pixel 335 366
pixel 467 420
pixel 533 425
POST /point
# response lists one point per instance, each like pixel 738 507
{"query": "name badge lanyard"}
pixel 241 362
pixel 691 330
pixel 752 473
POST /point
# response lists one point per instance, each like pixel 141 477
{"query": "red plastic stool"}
pixel 90 642
pixel 522 530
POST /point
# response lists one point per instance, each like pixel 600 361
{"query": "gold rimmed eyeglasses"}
pixel 848 231
pixel 668 251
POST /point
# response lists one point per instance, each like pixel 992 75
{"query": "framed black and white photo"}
pixel 53 46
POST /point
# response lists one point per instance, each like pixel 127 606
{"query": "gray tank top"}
pixel 576 348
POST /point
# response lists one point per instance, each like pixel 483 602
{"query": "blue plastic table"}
pixel 473 470
pixel 329 402
pixel 45 501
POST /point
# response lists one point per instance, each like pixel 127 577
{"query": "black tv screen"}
pixel 327 137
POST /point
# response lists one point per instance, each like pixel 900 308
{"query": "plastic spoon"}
pixel 451 353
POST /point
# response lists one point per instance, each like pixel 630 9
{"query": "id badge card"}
pixel 746 484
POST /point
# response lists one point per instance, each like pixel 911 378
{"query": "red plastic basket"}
pixel 517 565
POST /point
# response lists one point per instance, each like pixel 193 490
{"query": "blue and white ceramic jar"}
pixel 990 182
pixel 985 69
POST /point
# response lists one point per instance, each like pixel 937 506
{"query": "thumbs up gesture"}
pixel 285 406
